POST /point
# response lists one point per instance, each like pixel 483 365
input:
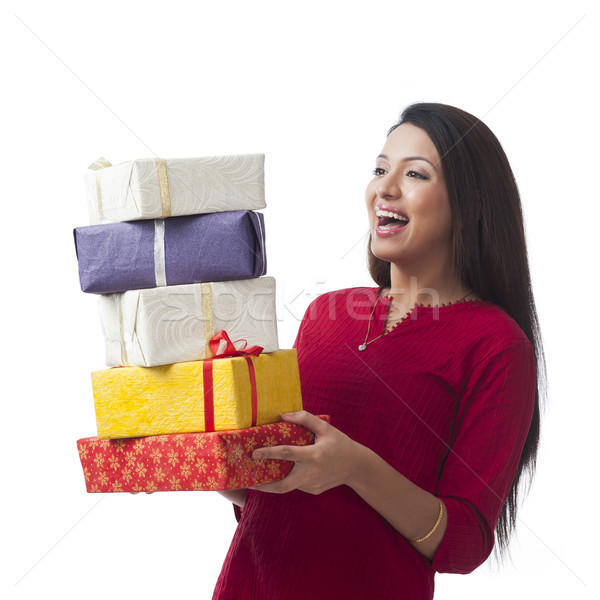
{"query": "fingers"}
pixel 307 419
pixel 292 453
pixel 287 484
pixel 296 480
pixel 300 477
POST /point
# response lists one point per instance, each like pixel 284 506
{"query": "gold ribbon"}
pixel 117 299
pixel 207 313
pixel 98 166
pixel 163 184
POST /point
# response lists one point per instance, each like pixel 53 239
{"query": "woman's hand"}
pixel 335 459
pixel 331 461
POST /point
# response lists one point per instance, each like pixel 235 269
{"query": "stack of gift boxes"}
pixel 177 255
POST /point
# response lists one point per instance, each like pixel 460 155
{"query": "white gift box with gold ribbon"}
pixel 172 324
pixel 155 188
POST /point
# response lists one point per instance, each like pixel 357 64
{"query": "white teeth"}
pixel 390 214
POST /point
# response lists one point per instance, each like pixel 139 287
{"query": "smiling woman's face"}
pixel 407 201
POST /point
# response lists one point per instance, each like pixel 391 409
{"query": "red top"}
pixel 446 398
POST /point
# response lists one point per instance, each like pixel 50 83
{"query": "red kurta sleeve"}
pixel 492 423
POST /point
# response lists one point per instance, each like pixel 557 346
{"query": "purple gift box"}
pixel 133 255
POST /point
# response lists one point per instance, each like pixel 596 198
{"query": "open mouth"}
pixel 388 220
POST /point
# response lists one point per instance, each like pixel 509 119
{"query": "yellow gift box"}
pixel 144 401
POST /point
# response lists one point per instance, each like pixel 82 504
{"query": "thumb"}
pixel 308 420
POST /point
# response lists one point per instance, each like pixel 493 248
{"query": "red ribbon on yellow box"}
pixel 230 351
pixel 167 399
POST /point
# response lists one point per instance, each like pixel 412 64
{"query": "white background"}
pixel 314 86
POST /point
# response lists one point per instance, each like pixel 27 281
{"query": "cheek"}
pixel 433 215
pixel 446 213
pixel 445 221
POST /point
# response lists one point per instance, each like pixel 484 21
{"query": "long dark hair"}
pixel 489 253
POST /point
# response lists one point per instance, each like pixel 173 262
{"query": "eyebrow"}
pixel 409 158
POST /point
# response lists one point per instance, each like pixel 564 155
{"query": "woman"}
pixel 430 381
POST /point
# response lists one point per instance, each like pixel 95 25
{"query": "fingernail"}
pixel 256 455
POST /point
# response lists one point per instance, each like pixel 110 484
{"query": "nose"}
pixel 388 187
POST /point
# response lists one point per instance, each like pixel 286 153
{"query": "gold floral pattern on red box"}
pixel 220 460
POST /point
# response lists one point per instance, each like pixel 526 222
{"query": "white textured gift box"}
pixel 152 188
pixel 172 324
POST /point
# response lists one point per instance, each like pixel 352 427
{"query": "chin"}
pixel 386 254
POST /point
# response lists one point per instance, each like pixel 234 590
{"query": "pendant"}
pixel 362 347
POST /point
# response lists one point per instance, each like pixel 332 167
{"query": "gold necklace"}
pixel 362 347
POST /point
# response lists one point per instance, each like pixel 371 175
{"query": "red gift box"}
pixel 220 460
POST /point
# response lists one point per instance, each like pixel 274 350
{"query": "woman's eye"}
pixel 416 174
pixel 378 171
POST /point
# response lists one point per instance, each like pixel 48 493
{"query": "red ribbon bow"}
pixel 230 351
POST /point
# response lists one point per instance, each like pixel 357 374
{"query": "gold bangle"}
pixel 437 523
